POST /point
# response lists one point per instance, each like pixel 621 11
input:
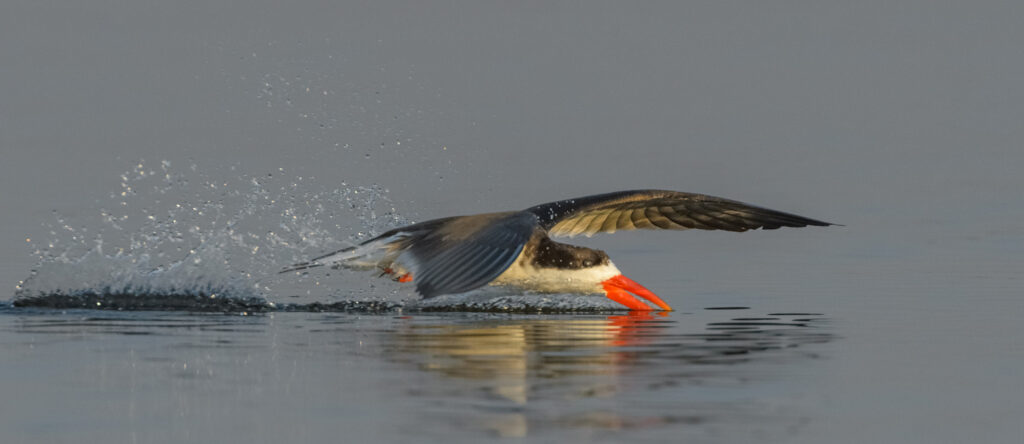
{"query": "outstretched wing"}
pixel 467 252
pixel 659 209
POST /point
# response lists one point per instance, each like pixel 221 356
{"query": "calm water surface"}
pixel 389 377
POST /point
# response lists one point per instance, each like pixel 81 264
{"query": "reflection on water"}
pixel 521 368
pixel 506 354
pixel 635 376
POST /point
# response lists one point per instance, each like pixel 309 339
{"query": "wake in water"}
pixel 193 302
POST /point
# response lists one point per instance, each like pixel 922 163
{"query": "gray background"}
pixel 901 120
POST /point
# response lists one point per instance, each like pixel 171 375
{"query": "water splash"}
pixel 207 236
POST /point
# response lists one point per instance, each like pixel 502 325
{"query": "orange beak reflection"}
pixel 619 288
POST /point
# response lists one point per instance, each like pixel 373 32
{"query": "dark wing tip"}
pixel 771 219
pixel 819 223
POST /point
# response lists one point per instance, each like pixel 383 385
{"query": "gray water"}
pixel 340 377
pixel 176 155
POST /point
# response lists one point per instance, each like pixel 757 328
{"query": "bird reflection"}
pixel 504 354
pixel 509 364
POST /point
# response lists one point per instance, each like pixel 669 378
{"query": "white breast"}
pixel 523 275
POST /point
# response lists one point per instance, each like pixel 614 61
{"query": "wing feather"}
pixel 659 209
pixel 468 264
pixel 580 226
pixel 659 220
pixel 467 253
pixel 626 220
pixel 640 220
pixel 473 277
pixel 597 222
pixel 610 223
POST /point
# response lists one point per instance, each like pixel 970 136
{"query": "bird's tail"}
pixel 377 253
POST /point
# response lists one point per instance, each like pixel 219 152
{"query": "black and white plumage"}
pixel 459 254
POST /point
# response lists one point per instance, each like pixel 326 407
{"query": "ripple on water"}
pixel 629 375
pixel 556 372
pixel 204 302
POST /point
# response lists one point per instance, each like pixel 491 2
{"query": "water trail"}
pixel 497 300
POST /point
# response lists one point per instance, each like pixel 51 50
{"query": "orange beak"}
pixel 618 286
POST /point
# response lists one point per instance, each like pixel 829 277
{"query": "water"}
pixel 160 163
pixel 390 376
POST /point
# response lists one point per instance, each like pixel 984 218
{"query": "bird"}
pixel 515 250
